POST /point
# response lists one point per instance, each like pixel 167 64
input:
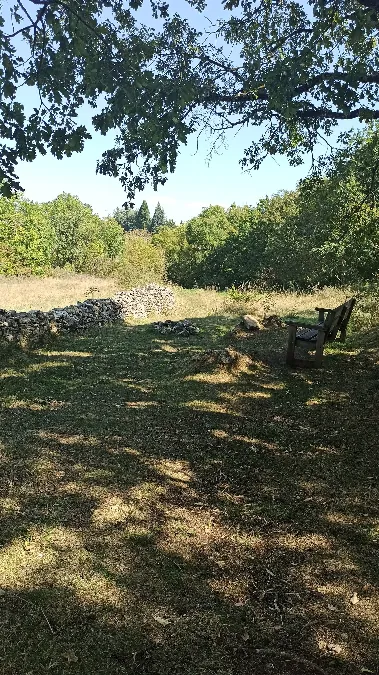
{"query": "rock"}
pixel 251 323
pixel 145 300
pixel 184 327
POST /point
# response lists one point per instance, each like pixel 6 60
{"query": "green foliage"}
pixel 83 241
pixel 65 233
pixel 158 219
pixel 173 241
pixel 293 69
pixel 170 223
pixel 141 261
pixel 143 218
pixel 126 218
pixel 34 238
pixel 366 311
pixel 324 233
pixel 27 238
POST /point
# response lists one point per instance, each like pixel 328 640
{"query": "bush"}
pixel 27 238
pixel 140 262
pixel 366 311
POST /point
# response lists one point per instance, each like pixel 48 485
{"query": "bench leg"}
pixel 319 349
pixel 290 360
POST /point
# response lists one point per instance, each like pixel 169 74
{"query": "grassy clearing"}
pixel 24 293
pixel 158 518
pixel 44 293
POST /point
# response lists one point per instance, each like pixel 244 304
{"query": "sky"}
pixel 196 183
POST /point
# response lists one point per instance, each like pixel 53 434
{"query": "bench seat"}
pixel 307 334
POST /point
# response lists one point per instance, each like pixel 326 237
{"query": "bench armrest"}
pixel 321 313
pixel 317 326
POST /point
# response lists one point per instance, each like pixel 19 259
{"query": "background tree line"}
pixel 324 232
pixel 65 233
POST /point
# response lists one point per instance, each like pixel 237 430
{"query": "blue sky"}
pixel 196 183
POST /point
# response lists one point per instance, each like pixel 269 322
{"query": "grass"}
pixel 24 293
pixel 161 518
pixel 44 293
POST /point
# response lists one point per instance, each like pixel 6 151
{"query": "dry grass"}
pixel 24 293
pixel 202 303
pixel 157 520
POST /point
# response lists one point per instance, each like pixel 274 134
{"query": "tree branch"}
pixel 261 94
pixel 324 113
pixel 327 77
pixel 20 30
pixel 222 66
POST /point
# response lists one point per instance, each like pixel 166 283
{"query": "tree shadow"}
pixel 174 519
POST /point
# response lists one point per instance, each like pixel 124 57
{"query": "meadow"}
pixel 163 516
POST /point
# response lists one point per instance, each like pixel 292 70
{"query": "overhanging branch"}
pixel 324 113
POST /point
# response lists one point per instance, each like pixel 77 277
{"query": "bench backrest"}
pixel 338 319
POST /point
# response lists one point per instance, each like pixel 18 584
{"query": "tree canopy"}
pixel 143 218
pixel 323 233
pixel 292 68
pixel 158 219
pixel 126 218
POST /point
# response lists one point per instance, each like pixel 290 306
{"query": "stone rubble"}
pixel 227 358
pixel 184 327
pixel 24 328
pixel 273 321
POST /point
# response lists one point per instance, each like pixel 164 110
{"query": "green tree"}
pixel 143 218
pixel 173 241
pixel 204 235
pixel 293 69
pixel 72 222
pixel 27 239
pixel 126 218
pixel 339 211
pixel 83 241
pixel 158 219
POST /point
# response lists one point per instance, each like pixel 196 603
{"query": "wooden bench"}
pixel 330 323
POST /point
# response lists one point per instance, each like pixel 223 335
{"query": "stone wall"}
pixel 32 327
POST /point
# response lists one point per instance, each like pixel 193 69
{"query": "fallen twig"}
pixel 29 602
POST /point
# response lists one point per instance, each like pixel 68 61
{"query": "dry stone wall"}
pixel 35 326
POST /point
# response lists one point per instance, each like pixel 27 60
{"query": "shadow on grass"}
pixel 158 518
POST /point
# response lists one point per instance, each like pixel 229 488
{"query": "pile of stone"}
pixel 140 302
pixel 23 327
pixel 32 327
pixel 252 324
pixel 273 321
pixel 92 312
pixel 184 327
pixel 227 358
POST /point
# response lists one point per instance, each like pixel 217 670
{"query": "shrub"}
pixel 26 237
pixel 141 261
